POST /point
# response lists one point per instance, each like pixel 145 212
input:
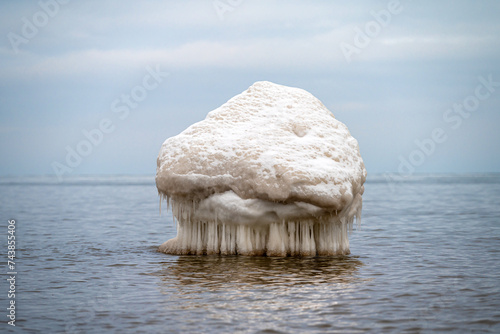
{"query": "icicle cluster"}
pixel 324 236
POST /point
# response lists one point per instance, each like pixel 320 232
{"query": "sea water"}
pixel 426 258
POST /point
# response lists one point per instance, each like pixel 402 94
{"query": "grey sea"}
pixel 426 259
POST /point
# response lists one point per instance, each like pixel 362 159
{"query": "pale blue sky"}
pixel 69 73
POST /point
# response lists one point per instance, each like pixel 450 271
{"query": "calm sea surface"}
pixel 426 259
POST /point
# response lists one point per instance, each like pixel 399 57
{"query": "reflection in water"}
pixel 220 271
pixel 260 292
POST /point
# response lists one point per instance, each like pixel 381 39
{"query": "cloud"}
pixel 295 35
pixel 320 51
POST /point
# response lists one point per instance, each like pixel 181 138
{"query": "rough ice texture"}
pixel 270 172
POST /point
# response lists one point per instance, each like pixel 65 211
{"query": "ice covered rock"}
pixel 271 172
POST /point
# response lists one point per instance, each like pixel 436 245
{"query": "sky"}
pixel 95 87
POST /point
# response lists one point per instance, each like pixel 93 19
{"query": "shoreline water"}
pixel 425 259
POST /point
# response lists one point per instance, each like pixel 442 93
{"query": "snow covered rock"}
pixel 271 172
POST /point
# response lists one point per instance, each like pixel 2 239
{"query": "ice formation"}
pixel 270 172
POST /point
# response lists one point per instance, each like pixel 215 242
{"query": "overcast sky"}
pixel 392 72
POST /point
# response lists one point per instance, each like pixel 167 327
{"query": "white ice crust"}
pixel 270 155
